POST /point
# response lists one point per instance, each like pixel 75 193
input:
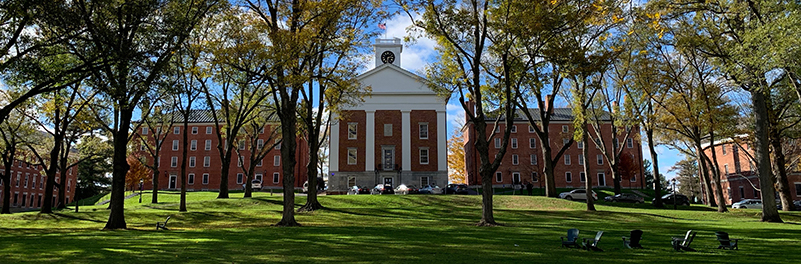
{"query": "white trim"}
pixel 369 147
pixel 442 138
pixel 333 151
pixel 406 141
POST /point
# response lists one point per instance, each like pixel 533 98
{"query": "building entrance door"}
pixel 388 180
pixel 173 179
pixel 388 159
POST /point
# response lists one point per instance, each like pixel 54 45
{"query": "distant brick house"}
pixel 27 185
pixel 523 161
pixel 739 174
pixel 204 161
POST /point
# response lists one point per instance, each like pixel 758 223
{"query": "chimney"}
pixel 471 109
pixel 548 106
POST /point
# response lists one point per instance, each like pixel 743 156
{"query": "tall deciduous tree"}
pixel 138 47
pixel 462 30
pixel 14 132
pixel 456 161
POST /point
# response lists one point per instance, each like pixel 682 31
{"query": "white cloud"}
pixel 415 55
pixel 455 117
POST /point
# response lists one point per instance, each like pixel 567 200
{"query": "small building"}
pixel 27 183
pixel 396 136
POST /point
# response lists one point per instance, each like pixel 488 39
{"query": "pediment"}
pixel 389 79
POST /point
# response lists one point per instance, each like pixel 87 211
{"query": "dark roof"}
pixel 559 114
pixel 204 116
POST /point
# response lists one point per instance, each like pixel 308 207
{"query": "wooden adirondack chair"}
pixel 634 239
pixel 592 244
pixel 572 238
pixel 725 242
pixel 680 244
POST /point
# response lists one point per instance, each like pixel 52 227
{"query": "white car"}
pixel 748 204
pixel 255 184
pixel 578 194
pixel 430 189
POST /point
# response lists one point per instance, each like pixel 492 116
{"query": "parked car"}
pixel 365 190
pixel 748 204
pixel 464 189
pixel 353 190
pixel 578 194
pixel 625 198
pixel 255 184
pixel 383 189
pixel 451 188
pixel 406 189
pixel 430 189
pixel 667 199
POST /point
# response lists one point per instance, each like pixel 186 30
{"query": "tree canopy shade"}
pixel 135 50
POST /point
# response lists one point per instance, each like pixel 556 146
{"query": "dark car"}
pixel 383 189
pixel 625 198
pixel 453 188
pixel 463 189
pixel 667 199
pixel 364 190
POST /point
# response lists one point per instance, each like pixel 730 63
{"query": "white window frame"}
pixel 276 177
pixel 514 128
pixel 498 176
pixel 144 131
pixel 514 143
pixel 190 179
pixel 515 159
pixel 424 155
pixel 206 161
pixel 205 179
pixel 600 159
pixel 174 161
pixel 192 162
pixel 580 159
pixel 580 145
pixel 535 177
pixel 565 128
pixel 568 176
pixel 567 159
pixel 532 143
pixel 175 144
pixel 242 144
pixel 194 130
pixel 629 143
pixel 497 143
pixel 240 178
pixel 208 130
pixel 193 145
pixel 531 129
pixel 353 158
pixel 176 130
pixel 276 160
pixel 208 144
pixel 423 130
pixel 353 130
pixel 582 177
pixel 533 159
pixel 516 175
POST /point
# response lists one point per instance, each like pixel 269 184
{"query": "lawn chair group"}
pixel 633 241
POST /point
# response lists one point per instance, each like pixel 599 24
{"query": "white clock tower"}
pixel 388 51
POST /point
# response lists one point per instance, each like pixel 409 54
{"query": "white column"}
pixel 369 147
pixel 442 138
pixel 333 151
pixel 406 141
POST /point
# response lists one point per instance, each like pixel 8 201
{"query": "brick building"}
pixel 204 161
pixel 739 172
pixel 396 136
pixel 523 160
pixel 27 185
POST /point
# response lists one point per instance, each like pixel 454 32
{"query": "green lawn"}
pixel 387 229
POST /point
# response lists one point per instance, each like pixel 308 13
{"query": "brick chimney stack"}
pixel 548 106
pixel 471 109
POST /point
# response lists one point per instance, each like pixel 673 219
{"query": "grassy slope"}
pixel 394 229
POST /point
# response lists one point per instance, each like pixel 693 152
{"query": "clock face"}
pixel 387 57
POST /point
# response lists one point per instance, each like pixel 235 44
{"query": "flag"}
pixel 382 26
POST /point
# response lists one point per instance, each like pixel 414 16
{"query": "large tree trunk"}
pixel 655 166
pixel 704 173
pixel 487 217
pixel 155 197
pixel 226 168
pixel 782 185
pixel 762 156
pixel 6 177
pixel 288 146
pixel 51 171
pixel 185 152
pixel 716 176
pixel 585 152
pixel 116 219
pixel 311 169
pixel 548 170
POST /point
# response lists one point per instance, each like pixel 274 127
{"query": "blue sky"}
pixel 417 55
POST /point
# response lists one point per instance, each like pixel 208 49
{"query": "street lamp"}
pixel 673 181
pixel 141 186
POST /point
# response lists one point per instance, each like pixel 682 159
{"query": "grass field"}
pixel 387 229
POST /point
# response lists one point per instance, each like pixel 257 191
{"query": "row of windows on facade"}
pixel 207 161
pixel 177 130
pixel 565 129
pixel 239 178
pixel 352 155
pixel 35 176
pixel 353 134
pixel 532 143
pixel 601 181
pixel 193 145
pixel 14 201
pixel 567 159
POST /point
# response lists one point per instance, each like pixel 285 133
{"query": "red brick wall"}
pixel 31 170
pixel 383 117
pixel 267 169
pixel 358 143
pixel 525 168
pixel 415 118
